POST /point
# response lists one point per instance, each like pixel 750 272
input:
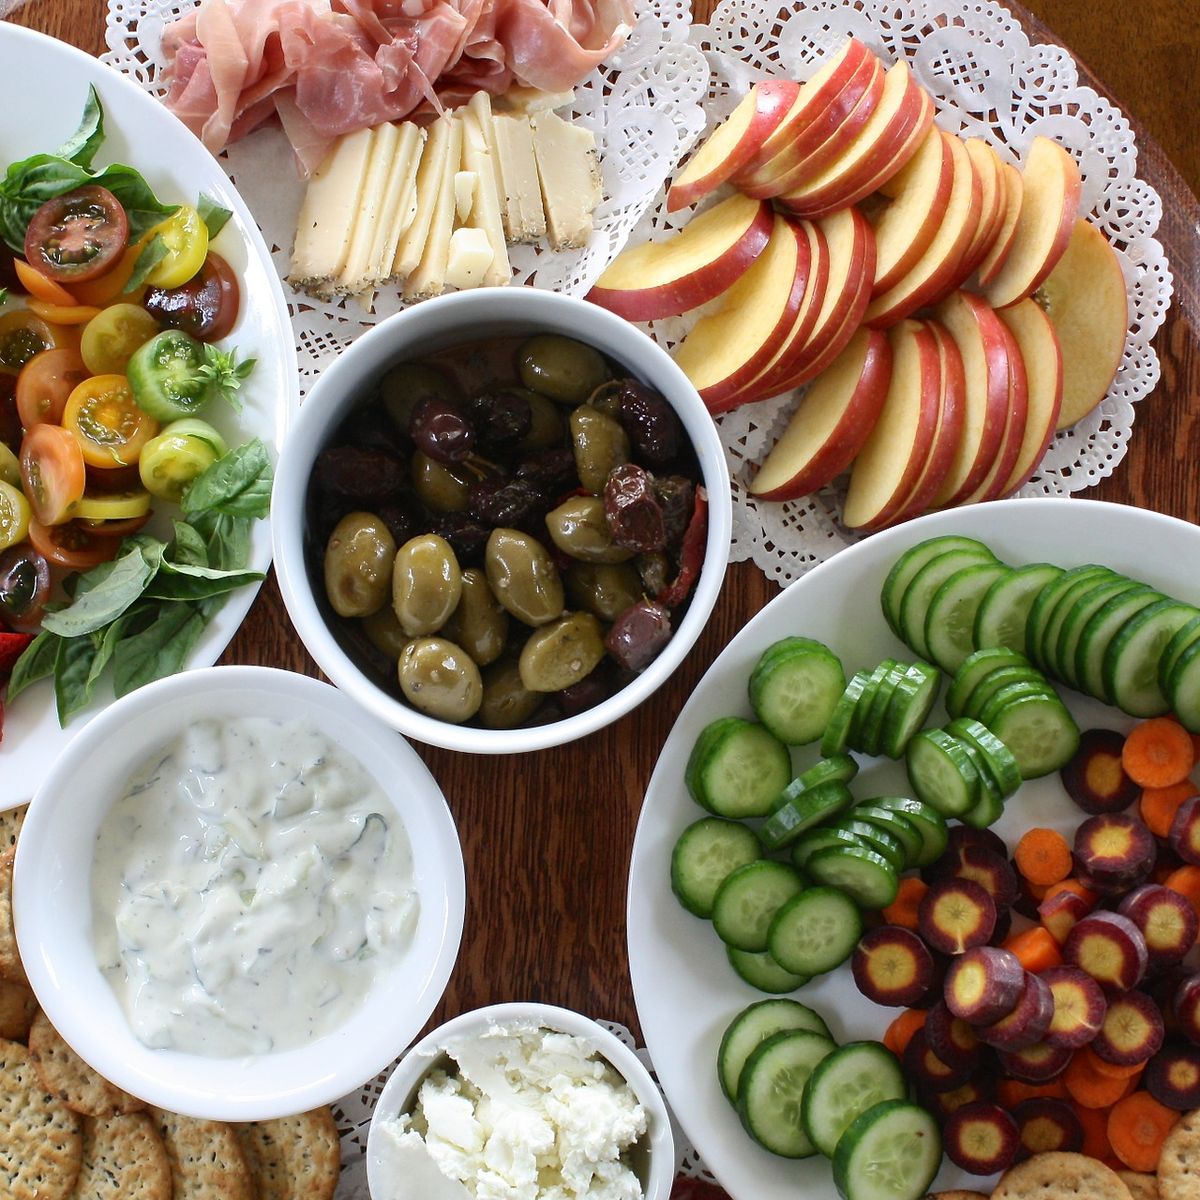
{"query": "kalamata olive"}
pixel 501 418
pixel 599 444
pixel 369 427
pixel 604 589
pixel 561 368
pixel 440 679
pixel 479 625
pixel 402 517
pixel 632 509
pixel 24 588
pixel 676 496
pixel 358 565
pixel 523 577
pixel 545 423
pixel 655 571
pixel 579 528
pixel 467 535
pixel 654 429
pixel 441 430
pixel 383 631
pixel 405 385
pixel 507 702
pixel 559 655
pixel 638 635
pixel 358 474
pixel 443 487
pixel 551 470
pixel 587 693
pixel 500 501
pixel 426 584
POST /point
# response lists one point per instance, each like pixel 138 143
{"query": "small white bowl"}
pixel 53 903
pixel 424 329
pixel 653 1157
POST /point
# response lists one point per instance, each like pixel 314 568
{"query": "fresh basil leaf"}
pixel 188 546
pixel 176 581
pixel 36 663
pixel 212 214
pixel 141 205
pixel 71 670
pixel 107 599
pixel 161 649
pixel 27 185
pixel 80 148
pixel 237 484
pixel 3 295
pixel 227 539
pixel 111 636
pixel 152 253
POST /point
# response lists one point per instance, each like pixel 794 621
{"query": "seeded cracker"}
pixel 957 1194
pixel 1179 1164
pixel 206 1160
pixel 1061 1176
pixel 40 1139
pixel 294 1158
pixel 18 1007
pixel 10 957
pixel 123 1159
pixel 11 821
pixel 70 1079
pixel 1141 1187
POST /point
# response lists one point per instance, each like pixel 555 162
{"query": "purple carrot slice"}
pixel 1060 912
pixel 1095 778
pixel 1114 852
pixel 984 984
pixel 1110 948
pixel 956 914
pixel 1187 1008
pixel 1079 1007
pixel 1029 1020
pixel 950 1037
pixel 892 966
pixel 979 1087
pixel 992 872
pixel 981 1138
pixel 1167 920
pixel 1039 1063
pixel 1045 1125
pixel 1132 1031
pixel 1184 836
pixel 929 1072
pixel 1173 1076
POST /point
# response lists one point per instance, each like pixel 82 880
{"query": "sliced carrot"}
pixel 1043 856
pixel 1010 1092
pixel 1158 806
pixel 39 286
pixel 1110 1070
pixel 900 1032
pixel 1186 881
pixel 1137 1128
pixel 1088 1087
pixel 1158 753
pixel 1070 885
pixel 1095 1131
pixel 1035 948
pixel 903 910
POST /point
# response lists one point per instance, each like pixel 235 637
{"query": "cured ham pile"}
pixel 329 67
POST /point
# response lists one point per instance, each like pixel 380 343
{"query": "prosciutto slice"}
pixel 328 67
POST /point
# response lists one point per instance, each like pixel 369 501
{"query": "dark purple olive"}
pixel 587 693
pixel 369 427
pixel 509 502
pixel 403 519
pixel 638 635
pixel 632 509
pixel 676 495
pixel 357 474
pixel 551 470
pixel 24 587
pixel 467 536
pixel 439 429
pixel 501 419
pixel 653 428
pixel 654 570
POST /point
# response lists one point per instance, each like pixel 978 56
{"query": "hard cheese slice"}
pixel 400 201
pixel 357 272
pixel 429 179
pixel 429 277
pixel 570 178
pixel 486 209
pixel 524 216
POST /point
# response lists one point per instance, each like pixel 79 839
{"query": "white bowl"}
pixel 434 325
pixel 52 900
pixel 653 1159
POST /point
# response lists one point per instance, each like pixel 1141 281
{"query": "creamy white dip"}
pixel 248 888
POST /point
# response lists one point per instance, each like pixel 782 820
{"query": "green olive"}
pixel 607 397
pixel 358 564
pixel 523 576
pixel 440 679
pixel 559 655
pixel 479 625
pixel 578 527
pixel 405 385
pixel 383 631
pixel 426 584
pixel 443 487
pixel 599 444
pixel 603 589
pixel 10 466
pixel 561 368
pixel 545 423
pixel 507 702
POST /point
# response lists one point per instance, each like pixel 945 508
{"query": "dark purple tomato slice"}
pixel 24 587
pixel 10 420
pixel 206 306
pixel 77 235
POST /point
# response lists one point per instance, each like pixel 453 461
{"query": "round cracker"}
pixel 1141 1187
pixel 123 1159
pixel 41 1141
pixel 957 1194
pixel 1179 1163
pixel 1058 1175
pixel 11 967
pixel 18 1007
pixel 68 1077
pixel 206 1160
pixel 293 1158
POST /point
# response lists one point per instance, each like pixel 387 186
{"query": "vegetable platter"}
pixel 43 90
pixel 686 991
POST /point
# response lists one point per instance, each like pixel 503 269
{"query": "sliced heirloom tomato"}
pixel 110 287
pixel 63 314
pixel 71 545
pixel 44 384
pixel 24 334
pixel 106 422
pixel 78 235
pixel 110 338
pixel 52 473
pixel 24 588
pixel 14 515
pixel 38 286
pixel 112 508
pixel 185 237
pixel 184 450
pixel 206 306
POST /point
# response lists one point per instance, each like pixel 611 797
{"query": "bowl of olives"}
pixel 501 519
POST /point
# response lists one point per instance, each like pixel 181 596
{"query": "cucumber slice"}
pixel 821 839
pixel 1045 603
pixel 1082 610
pixel 950 620
pixel 998 760
pixel 897 826
pixel 1040 686
pixel 864 875
pixel 1175 647
pixel 975 668
pixel 1183 687
pixel 803 811
pixel 794 688
pixel 737 768
pixel 771 1088
pixel 1130 666
pixel 762 972
pixel 926 820
pixel 877 839
pixel 840 768
pixel 836 737
pixel 1003 613
pixel 1081 586
pixel 920 593
pixel 854 1078
pixel 911 561
pixel 707 852
pixel 910 705
pixel 1040 732
pixel 989 685
pixel 870 730
pixel 749 898
pixel 858 723
pixel 1104 625
pixel 942 773
pixel 752 1026
pixel 990 806
pixel 890 1152
pixel 815 931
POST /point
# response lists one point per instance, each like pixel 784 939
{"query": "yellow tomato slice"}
pixel 106 422
pixel 186 238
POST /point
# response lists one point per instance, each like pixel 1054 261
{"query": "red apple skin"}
pixel 839 338
pixel 855 420
pixel 992 487
pixel 703 283
pixel 997 255
pixel 1025 321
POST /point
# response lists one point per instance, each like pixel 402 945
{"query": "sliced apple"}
pixel 1049 208
pixel 981 341
pixel 1086 299
pixel 894 453
pixel 1014 190
pixel 1016 419
pixel 734 142
pixel 689 268
pixel 728 349
pixel 1038 345
pixel 930 273
pixel 905 226
pixel 992 206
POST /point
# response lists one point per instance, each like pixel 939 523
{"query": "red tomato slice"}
pixel 52 473
pixel 206 306
pixel 77 235
pixel 44 384
pixel 71 546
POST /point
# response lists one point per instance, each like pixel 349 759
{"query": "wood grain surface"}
pixel 547 836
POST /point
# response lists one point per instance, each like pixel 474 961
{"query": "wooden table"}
pixel 547 836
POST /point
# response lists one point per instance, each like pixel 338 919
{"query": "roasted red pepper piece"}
pixel 12 646
pixel 691 556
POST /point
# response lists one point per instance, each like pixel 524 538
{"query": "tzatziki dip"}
pixel 248 887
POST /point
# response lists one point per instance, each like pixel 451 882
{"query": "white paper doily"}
pixel 988 81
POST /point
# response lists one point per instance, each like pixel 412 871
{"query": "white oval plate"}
pixel 685 990
pixel 42 90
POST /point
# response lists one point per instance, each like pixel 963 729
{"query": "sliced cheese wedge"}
pixel 400 201
pixel 429 178
pixel 466 183
pixel 570 178
pixel 470 256
pixel 486 211
pixel 357 273
pixel 522 98
pixel 429 276
pixel 524 216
